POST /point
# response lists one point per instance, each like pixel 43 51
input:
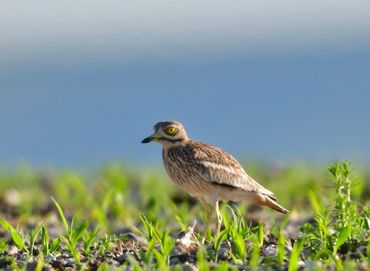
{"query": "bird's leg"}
pixel 219 219
pixel 207 218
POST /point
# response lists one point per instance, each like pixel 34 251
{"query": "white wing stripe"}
pixel 213 165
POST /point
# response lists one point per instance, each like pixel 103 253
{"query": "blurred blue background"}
pixel 82 82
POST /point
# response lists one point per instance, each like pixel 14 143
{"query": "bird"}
pixel 207 172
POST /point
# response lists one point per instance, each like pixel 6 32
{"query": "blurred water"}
pixel 281 109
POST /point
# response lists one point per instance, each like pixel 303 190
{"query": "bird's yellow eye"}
pixel 170 130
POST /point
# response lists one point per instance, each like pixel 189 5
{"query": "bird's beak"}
pixel 153 137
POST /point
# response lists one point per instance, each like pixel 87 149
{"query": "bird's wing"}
pixel 219 167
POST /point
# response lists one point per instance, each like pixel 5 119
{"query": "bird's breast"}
pixel 183 172
pixel 175 166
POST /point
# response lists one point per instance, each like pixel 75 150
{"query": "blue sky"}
pixel 82 83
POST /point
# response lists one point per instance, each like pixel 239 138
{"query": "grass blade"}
pixel 61 214
pixel 343 236
pixel 45 238
pixel 294 257
pixel 78 233
pixel 17 239
pixel 15 235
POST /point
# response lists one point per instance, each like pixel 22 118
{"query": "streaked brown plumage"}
pixel 207 172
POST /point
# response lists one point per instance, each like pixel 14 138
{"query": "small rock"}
pixel 363 267
pixel 11 197
pixel 187 239
pixel 186 242
pixel 122 258
pixel 57 264
pixel 189 267
pixel 224 251
pixel 33 266
pixel 182 258
pixel 269 251
pixel 134 237
pixel 13 250
pixel 69 263
pixel 94 265
pixel 175 260
pixel 301 263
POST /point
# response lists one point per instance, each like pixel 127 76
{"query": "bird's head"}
pixel 168 133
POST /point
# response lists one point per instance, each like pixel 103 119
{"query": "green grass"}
pixel 119 217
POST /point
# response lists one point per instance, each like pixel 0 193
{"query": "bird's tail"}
pixel 270 202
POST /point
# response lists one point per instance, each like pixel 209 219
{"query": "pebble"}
pixel 13 250
pixel 270 251
pixel 123 258
pixel 182 258
pixel 11 197
pixel 189 267
pixel 134 237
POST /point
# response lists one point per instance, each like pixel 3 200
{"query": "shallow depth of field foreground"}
pixel 124 218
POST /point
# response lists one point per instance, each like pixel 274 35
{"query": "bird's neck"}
pixel 168 145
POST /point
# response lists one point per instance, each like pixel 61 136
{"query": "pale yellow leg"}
pixel 207 218
pixel 219 219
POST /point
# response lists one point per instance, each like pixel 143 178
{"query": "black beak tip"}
pixel 146 140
